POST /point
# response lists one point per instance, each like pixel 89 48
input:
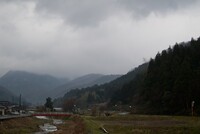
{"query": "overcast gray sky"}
pixel 70 38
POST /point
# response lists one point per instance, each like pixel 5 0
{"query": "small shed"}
pixel 58 109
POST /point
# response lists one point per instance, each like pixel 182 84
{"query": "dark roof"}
pixel 5 103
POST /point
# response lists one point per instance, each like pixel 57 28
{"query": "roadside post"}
pixel 192 107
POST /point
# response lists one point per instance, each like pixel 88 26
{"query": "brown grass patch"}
pixel 20 125
pixel 74 125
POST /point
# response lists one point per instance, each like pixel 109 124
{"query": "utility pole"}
pixel 20 100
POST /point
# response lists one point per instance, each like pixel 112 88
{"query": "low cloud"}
pixel 90 12
pixel 69 38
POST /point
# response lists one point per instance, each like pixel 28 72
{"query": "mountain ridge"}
pixel 99 93
pixel 33 87
pixel 6 95
pixel 83 82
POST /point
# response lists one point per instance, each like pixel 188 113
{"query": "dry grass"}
pixel 144 124
pixel 72 125
pixel 28 125
pixel 21 125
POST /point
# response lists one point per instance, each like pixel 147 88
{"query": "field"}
pixel 115 124
pixel 143 124
pixel 21 125
pixel 29 125
pixel 71 125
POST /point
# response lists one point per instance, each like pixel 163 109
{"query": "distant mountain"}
pixel 169 84
pixel 105 79
pixel 83 82
pixel 100 93
pixel 33 87
pixel 6 95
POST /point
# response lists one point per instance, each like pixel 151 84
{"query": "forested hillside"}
pixel 173 80
pixel 170 84
pixel 33 87
pixel 82 82
pixel 166 85
pixel 98 94
pixel 6 95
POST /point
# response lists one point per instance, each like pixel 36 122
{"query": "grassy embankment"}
pixel 29 125
pixel 21 125
pixel 116 124
pixel 143 124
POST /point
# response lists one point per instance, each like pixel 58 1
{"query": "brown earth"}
pixel 20 125
pixel 74 125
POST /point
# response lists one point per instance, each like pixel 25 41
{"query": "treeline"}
pixel 87 97
pixel 170 84
pixel 173 80
pixel 166 85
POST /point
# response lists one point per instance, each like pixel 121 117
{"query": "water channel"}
pixel 48 128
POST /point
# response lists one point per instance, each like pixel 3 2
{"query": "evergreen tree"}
pixel 49 103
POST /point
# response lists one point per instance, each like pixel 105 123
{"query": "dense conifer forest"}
pixel 167 84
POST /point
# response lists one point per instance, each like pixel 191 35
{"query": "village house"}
pixel 7 107
pixel 2 110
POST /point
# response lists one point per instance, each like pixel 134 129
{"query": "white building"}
pixel 2 110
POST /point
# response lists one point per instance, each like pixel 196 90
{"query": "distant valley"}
pixel 167 84
pixel 83 82
pixel 151 87
pixel 35 88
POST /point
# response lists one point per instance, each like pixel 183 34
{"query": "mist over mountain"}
pixel 33 87
pixel 167 84
pixel 6 95
pixel 99 93
pixel 83 82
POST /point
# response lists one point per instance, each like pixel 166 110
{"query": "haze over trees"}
pixel 36 87
pixel 33 87
pixel 98 94
pixel 166 85
pixel 6 95
pixel 82 82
